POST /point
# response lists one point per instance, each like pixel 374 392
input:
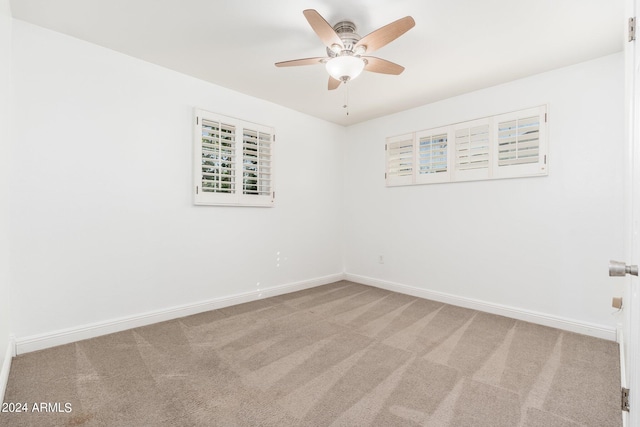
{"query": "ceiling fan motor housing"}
pixel 346 30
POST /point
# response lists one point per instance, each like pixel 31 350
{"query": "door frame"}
pixel 629 332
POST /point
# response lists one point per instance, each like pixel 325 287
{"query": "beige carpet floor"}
pixel 337 355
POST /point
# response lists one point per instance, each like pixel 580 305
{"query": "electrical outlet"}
pixel 380 259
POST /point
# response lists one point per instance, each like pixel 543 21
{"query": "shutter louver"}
pixel 256 154
pixel 472 152
pixel 400 160
pixel 218 157
pixel 432 154
pixel 472 148
pixel 519 141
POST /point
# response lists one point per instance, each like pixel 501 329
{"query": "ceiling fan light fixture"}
pixel 345 68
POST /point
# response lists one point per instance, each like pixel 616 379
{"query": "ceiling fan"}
pixel 346 50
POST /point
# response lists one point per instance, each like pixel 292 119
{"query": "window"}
pixel 233 161
pixel 472 150
pixel 432 156
pixel 520 146
pixel 504 146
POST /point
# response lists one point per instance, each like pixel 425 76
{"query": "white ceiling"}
pixel 457 46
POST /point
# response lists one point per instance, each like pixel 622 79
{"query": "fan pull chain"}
pixel 346 98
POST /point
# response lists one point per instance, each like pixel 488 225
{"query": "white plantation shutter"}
pixel 472 150
pixel 432 156
pixel 505 146
pixel 218 161
pixel 520 143
pixel 400 160
pixel 256 162
pixel 233 162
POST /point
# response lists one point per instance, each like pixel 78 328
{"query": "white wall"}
pixel 104 225
pixel 534 244
pixel 5 119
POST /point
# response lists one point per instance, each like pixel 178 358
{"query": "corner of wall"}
pixel 6 366
pixel 7 341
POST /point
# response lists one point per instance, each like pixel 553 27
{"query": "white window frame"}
pixel 246 175
pixel 489 146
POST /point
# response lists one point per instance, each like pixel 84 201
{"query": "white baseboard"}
pixel 6 367
pixel 502 310
pixel 66 336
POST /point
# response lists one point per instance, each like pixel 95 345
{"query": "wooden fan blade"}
pixel 383 66
pixel 322 28
pixel 387 34
pixel 333 83
pixel 297 62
